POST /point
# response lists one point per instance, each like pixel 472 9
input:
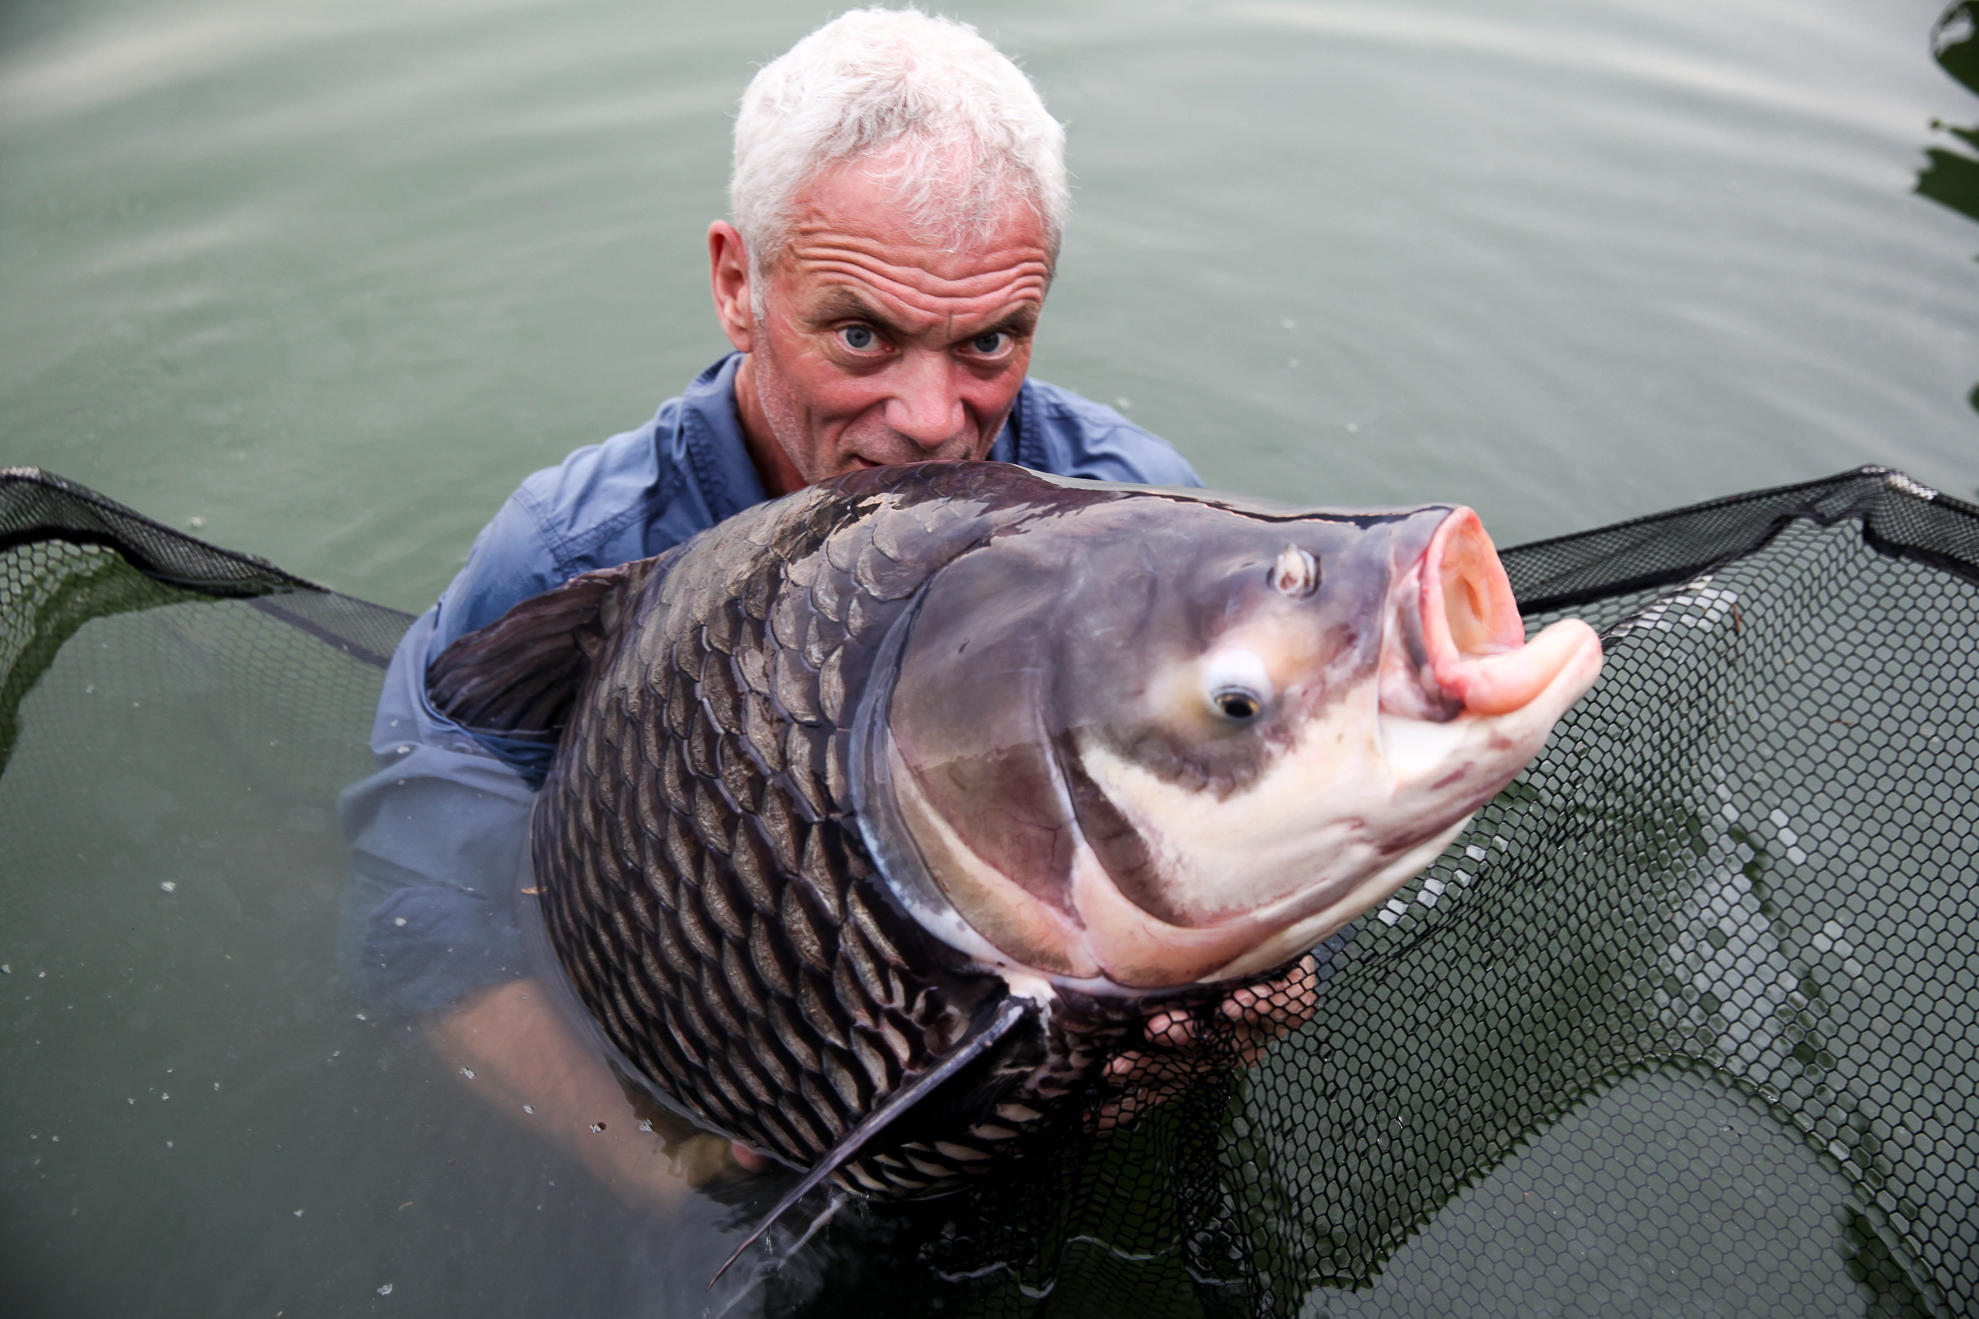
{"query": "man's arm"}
pixel 516 1052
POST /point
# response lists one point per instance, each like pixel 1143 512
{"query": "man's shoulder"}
pixel 589 511
pixel 628 497
pixel 1067 434
pixel 640 491
pixel 602 486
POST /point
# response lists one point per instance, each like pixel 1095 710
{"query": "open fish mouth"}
pixel 1474 640
pixel 1457 657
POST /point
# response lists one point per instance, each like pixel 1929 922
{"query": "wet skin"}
pixel 876 345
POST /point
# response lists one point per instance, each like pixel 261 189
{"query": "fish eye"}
pixel 1237 684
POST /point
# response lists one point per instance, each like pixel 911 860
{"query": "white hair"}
pixel 937 111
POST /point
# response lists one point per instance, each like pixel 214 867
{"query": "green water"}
pixel 333 276
pixel 325 280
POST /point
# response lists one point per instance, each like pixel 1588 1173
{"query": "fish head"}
pixel 1158 741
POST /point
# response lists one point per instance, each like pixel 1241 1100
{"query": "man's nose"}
pixel 926 406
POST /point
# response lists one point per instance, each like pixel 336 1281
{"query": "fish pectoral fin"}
pixel 972 1046
pixel 518 676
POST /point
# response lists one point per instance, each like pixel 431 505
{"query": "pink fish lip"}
pixel 1475 654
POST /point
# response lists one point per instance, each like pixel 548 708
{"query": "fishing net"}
pixel 1686 1021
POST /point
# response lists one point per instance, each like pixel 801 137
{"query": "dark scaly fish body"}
pixel 934 761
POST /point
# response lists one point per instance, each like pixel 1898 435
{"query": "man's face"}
pixel 875 345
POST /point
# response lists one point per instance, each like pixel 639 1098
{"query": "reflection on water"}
pixel 1952 176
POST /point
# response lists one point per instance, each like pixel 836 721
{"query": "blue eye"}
pixel 859 338
pixel 989 344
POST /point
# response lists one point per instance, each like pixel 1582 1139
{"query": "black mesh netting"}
pixel 1684 1023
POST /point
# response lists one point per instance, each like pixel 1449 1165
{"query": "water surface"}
pixel 333 277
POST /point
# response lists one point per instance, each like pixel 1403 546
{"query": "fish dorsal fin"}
pixel 517 677
pixel 972 1046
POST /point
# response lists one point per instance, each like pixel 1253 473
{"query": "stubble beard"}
pixel 780 414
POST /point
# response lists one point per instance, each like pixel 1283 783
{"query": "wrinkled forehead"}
pixel 953 224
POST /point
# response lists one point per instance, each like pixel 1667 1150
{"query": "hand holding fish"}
pixel 1177 1051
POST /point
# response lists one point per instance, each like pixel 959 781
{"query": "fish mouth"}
pixel 1475 659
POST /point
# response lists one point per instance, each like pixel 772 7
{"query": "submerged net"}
pixel 1688 1017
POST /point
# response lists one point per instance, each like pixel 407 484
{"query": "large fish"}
pixel 880 815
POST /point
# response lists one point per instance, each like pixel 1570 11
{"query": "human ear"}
pixel 728 273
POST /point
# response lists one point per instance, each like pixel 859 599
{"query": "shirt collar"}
pixel 1008 440
pixel 711 430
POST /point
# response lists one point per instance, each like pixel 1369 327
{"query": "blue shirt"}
pixel 437 834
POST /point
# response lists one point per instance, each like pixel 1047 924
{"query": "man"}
pixel 898 196
pixel 898 193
